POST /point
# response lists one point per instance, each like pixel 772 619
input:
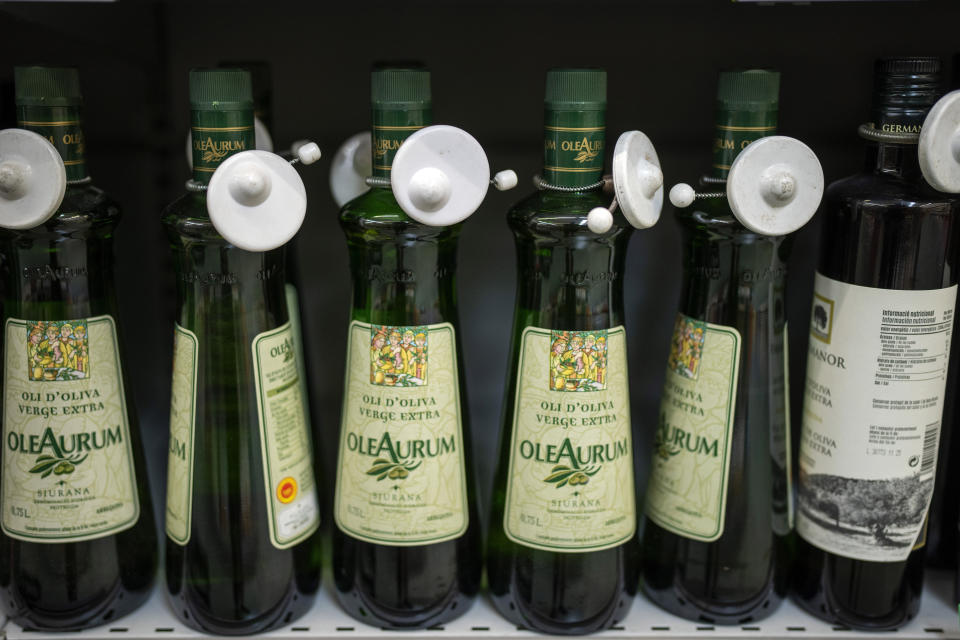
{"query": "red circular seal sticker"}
pixel 287 490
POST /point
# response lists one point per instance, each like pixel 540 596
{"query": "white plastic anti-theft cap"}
pixel 350 167
pixel 637 179
pixel 939 147
pixel 440 175
pixel 256 200
pixel 775 185
pixel 32 179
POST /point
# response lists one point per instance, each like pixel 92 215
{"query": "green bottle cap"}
pixel 753 90
pixel 47 86
pixel 576 89
pixel 220 90
pixel 400 88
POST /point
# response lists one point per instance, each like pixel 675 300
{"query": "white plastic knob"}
pixel 440 175
pixel 308 152
pixel 33 179
pixel 778 185
pixel 775 185
pixel 351 165
pixel 429 189
pixel 599 220
pixel 682 195
pixel 939 146
pixel 638 179
pixel 14 176
pixel 256 200
pixel 296 144
pixel 249 183
pixel 505 180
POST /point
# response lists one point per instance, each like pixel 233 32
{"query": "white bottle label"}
pixel 183 418
pixel 68 472
pixel 401 472
pixel 286 447
pixel 687 491
pixel 570 481
pixel 876 376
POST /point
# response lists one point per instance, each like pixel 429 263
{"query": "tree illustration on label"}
pixel 821 319
pixel 866 512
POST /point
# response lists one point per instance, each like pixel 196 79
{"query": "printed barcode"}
pixel 930 438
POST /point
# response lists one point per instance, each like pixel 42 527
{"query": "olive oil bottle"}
pixel 78 546
pixel 562 553
pixel 406 548
pixel 718 500
pixel 877 362
pixel 242 515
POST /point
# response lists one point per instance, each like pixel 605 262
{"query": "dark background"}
pixel 488 61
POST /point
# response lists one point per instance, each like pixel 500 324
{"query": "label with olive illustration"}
pixel 285 442
pixel 401 473
pixel 687 490
pixel 570 479
pixel 68 471
pixel 183 420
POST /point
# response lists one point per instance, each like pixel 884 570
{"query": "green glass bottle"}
pixel 406 547
pixel 562 553
pixel 718 503
pixel 880 331
pixel 78 546
pixel 261 77
pixel 242 517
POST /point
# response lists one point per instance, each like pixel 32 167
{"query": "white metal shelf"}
pixel 937 619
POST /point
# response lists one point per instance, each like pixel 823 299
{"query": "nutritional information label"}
pixel 914 346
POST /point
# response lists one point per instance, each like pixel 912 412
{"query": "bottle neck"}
pixel 894 160
pixel 735 129
pixel 63 128
pixel 573 147
pixel 217 135
pixel 390 128
pixel 900 105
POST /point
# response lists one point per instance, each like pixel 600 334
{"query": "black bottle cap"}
pixel 904 89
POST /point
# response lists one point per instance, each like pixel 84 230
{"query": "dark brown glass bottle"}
pixel 887 273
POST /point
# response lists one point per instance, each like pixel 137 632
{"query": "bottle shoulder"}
pixel 884 189
pixel 84 208
pixel 376 216
pixel 90 200
pixel 187 217
pixel 557 204
pixel 560 214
